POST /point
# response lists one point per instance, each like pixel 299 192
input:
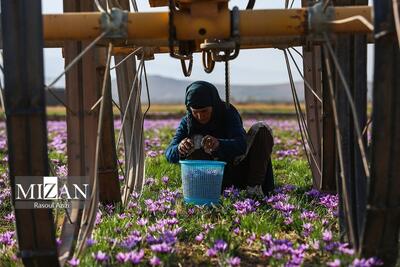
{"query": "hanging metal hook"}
pixel 208 62
pixel 187 71
pixel 185 48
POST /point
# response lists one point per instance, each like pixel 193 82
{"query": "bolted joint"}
pixel 115 23
pixel 223 50
pixel 147 53
pixel 319 16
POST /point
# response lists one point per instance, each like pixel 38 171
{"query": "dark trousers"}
pixel 255 167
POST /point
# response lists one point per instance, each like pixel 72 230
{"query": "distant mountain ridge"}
pixel 165 90
pixel 171 91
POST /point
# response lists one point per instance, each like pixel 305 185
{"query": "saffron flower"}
pixel 199 237
pixel 90 242
pixel 335 263
pixel 233 261
pixel 122 257
pixel 100 256
pixel 246 206
pixel 212 252
pixel 327 236
pixel 220 245
pixel 73 262
pixel 136 257
pixel 154 261
pixel 161 248
pixel 165 179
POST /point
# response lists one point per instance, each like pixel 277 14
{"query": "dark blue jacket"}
pixel 232 141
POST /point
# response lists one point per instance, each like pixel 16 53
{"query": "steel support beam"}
pixel 351 51
pixel 253 23
pixel 26 123
pixel 380 233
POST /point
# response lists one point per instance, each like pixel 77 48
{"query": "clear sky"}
pixel 258 66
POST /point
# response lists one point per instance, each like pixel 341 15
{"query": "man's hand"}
pixel 210 144
pixel 185 146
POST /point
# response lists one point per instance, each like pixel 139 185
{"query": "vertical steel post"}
pixel 26 123
pixel 134 163
pixel 380 232
pixel 312 71
pixel 352 55
pixel 109 188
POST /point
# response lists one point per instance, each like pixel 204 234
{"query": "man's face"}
pixel 202 115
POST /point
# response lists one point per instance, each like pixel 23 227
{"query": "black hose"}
pixel 250 4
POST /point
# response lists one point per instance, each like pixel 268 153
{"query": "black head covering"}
pixel 202 94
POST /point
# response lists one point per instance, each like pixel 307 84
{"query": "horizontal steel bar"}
pixel 153 26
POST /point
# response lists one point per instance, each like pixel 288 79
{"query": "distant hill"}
pixel 165 90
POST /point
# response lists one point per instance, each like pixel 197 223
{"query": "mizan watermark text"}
pixel 50 192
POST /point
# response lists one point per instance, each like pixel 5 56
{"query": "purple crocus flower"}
pixel 190 211
pixel 246 206
pixel 331 246
pixel 73 262
pixel 287 153
pixel 9 217
pixel 172 213
pixel 122 257
pixel 307 229
pixel 90 242
pixel 335 263
pixel 231 192
pixel 288 220
pixel 149 181
pixel 308 215
pixel 109 208
pixel 131 241
pixel 343 248
pixel 98 218
pixel 150 239
pixel 121 216
pixel 314 193
pixel 165 179
pixel 142 221
pixel 251 239
pixel 135 195
pixel 267 239
pixel 100 256
pixel 330 202
pixel 220 245
pixel 315 244
pixel 283 207
pixel 366 262
pixel 154 261
pixel 136 257
pixel 236 231
pixel 199 237
pixel 280 197
pixel 208 226
pixel 233 261
pixel 285 189
pixel 161 248
pixel 152 154
pixel 327 236
pixel 212 252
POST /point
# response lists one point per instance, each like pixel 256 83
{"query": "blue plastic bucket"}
pixel 202 181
